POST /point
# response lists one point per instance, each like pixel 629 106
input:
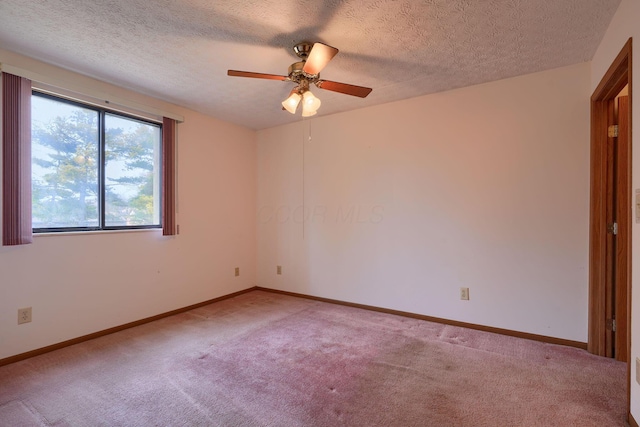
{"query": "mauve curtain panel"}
pixel 168 177
pixel 16 160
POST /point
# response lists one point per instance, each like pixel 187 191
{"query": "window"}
pixel 92 169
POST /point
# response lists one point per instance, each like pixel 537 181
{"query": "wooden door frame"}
pixel 617 77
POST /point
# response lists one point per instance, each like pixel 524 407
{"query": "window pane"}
pixel 132 172
pixel 64 164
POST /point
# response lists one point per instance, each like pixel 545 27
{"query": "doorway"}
pixel 610 212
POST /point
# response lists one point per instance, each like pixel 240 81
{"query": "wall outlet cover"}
pixel 24 315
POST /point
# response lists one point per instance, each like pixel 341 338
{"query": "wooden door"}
pixel 618 220
pixel 622 261
pixel 611 198
pixel 611 220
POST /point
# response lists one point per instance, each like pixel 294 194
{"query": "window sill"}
pixel 93 232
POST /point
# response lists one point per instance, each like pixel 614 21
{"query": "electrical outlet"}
pixel 24 315
pixel 278 269
pixel 464 293
pixel 237 271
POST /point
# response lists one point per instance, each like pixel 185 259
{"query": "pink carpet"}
pixel 264 359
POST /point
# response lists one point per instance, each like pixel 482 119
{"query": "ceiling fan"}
pixel 314 57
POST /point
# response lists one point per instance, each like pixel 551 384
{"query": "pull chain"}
pixel 303 204
pixel 303 161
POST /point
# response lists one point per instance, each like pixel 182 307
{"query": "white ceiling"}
pixel 180 50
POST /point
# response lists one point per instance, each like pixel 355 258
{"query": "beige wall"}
pixel 623 26
pixel 79 284
pixel 484 187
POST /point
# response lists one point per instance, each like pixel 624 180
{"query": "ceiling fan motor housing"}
pixel 297 74
pixel 302 49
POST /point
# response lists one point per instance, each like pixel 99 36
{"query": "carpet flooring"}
pixel 263 359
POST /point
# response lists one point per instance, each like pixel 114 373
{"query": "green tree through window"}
pixel 132 189
pixel 92 169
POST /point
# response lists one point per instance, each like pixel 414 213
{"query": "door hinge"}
pixel 611 324
pixel 612 228
pixel 613 131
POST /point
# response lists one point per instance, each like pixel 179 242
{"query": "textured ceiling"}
pixel 180 50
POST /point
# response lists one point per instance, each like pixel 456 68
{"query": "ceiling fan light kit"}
pixel 310 104
pixel 314 57
pixel 291 103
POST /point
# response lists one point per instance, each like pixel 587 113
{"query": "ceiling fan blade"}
pixel 347 89
pixel 319 57
pixel 235 73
